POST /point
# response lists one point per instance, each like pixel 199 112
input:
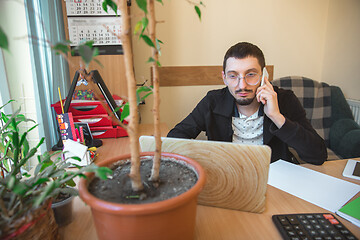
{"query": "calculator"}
pixel 311 226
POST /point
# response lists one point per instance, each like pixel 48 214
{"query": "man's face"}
pixel 243 93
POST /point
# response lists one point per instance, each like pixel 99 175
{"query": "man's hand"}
pixel 267 96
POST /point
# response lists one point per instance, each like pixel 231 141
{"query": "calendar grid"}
pixel 88 21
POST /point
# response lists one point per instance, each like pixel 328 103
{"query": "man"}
pixel 248 113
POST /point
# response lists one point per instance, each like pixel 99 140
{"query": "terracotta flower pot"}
pixel 169 219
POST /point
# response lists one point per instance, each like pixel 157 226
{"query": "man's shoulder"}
pixel 217 92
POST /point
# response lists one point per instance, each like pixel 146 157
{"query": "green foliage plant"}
pixel 146 29
pixel 21 192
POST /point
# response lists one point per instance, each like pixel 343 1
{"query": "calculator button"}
pixel 317 227
pixel 291 233
pixel 328 216
pixel 350 237
pixel 301 233
pixel 339 226
pixel 308 227
pixel 333 221
pixel 283 221
pixel 304 221
pixel 293 220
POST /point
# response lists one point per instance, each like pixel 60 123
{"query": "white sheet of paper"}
pixel 72 148
pixel 317 188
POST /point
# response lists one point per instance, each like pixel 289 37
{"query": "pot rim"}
pixel 146 208
pixel 63 202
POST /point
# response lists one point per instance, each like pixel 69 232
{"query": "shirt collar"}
pixel 260 111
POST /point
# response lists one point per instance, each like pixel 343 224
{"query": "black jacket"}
pixel 214 112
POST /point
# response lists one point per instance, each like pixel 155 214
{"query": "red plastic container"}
pixel 86 107
pixel 101 120
pixel 108 132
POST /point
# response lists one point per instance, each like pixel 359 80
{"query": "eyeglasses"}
pixel 250 78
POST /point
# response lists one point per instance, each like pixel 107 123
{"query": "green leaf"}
pixel 3 40
pixel 145 23
pixel 26 175
pixel 143 89
pixel 75 158
pixel 41 181
pixel 146 95
pixel 11 182
pixel 110 3
pixel 148 40
pixel 158 45
pixel 160 1
pixel 150 60
pixel 137 27
pixel 20 188
pixel 142 4
pixel 126 112
pixel 46 193
pixel 69 190
pixel 71 183
pixel 9 100
pixel 61 48
pixel 103 172
pixel 198 11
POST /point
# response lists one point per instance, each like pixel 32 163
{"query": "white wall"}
pixel 342 47
pixel 292 34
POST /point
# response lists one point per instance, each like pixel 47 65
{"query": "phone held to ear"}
pixel 265 74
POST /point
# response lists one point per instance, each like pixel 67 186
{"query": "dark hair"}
pixel 242 50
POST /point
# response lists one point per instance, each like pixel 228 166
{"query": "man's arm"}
pixel 297 131
pixel 193 124
pixel 290 123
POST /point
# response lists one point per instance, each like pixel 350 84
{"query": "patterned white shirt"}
pixel 248 130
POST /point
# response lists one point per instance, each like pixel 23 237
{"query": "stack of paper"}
pixel 317 188
pixel 351 211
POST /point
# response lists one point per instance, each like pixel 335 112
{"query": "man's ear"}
pixel 223 77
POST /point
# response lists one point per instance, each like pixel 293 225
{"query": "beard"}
pixel 244 101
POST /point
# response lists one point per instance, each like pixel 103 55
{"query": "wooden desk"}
pixel 216 223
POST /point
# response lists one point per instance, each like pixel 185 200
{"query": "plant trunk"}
pixel 133 127
pixel 156 111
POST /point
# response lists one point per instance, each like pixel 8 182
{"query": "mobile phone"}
pixel 265 74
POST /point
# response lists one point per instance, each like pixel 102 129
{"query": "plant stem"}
pixel 156 113
pixel 133 127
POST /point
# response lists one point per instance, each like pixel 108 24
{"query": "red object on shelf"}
pixel 95 120
pixel 85 107
pixel 108 132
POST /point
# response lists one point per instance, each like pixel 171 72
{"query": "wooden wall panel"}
pixel 195 75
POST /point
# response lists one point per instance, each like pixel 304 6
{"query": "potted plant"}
pixel 25 197
pixel 172 218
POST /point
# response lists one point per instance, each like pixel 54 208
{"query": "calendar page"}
pixel 88 21
pixel 87 7
pixel 101 30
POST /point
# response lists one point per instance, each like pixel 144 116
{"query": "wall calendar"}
pixel 88 21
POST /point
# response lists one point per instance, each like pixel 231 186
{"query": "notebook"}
pixel 236 174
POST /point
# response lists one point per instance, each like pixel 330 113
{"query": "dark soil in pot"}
pixel 175 179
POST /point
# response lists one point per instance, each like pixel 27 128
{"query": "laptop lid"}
pixel 236 174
